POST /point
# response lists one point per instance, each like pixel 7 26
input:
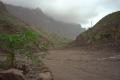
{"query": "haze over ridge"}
pixel 77 11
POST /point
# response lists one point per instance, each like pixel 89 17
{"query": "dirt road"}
pixel 83 65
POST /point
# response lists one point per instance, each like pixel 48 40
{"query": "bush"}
pixel 20 43
pixel 44 46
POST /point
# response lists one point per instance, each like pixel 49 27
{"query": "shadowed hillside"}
pixel 38 18
pixel 106 33
pixel 10 25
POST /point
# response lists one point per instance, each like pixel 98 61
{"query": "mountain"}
pixel 9 24
pixel 2 7
pixel 37 18
pixel 106 33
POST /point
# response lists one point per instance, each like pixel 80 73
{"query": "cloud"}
pixel 79 11
pixel 24 3
pixel 72 11
pixel 76 11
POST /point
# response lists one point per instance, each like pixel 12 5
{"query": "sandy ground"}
pixel 83 65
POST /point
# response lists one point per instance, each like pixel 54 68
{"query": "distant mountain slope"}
pixel 9 24
pixel 38 18
pixel 105 33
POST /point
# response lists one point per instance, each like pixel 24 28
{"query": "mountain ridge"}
pixel 105 34
pixel 10 25
pixel 38 18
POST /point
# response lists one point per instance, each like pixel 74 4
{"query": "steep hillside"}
pixel 2 7
pixel 106 33
pixel 9 24
pixel 38 18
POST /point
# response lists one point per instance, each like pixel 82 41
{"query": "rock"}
pixel 11 74
pixel 45 76
pixel 24 68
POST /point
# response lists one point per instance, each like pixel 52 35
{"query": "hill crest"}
pixel 106 33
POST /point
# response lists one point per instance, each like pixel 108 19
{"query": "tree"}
pixel 20 43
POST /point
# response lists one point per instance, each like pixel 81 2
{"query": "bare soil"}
pixel 80 64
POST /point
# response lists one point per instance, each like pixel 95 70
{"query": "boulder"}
pixel 45 76
pixel 23 67
pixel 11 74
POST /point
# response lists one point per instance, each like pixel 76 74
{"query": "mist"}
pixel 60 40
pixel 82 12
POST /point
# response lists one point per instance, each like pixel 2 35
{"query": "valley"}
pixel 35 46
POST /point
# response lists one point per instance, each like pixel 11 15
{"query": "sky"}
pixel 84 12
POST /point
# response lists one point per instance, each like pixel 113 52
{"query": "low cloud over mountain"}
pixel 72 11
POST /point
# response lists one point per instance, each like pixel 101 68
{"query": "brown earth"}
pixel 80 64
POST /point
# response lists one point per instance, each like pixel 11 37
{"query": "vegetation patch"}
pixel 20 43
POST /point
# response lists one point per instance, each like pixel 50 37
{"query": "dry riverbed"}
pixel 71 64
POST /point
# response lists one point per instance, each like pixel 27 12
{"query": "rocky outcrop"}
pixel 39 72
pixel 11 74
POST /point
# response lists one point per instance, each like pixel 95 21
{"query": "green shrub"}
pixel 44 46
pixel 20 43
